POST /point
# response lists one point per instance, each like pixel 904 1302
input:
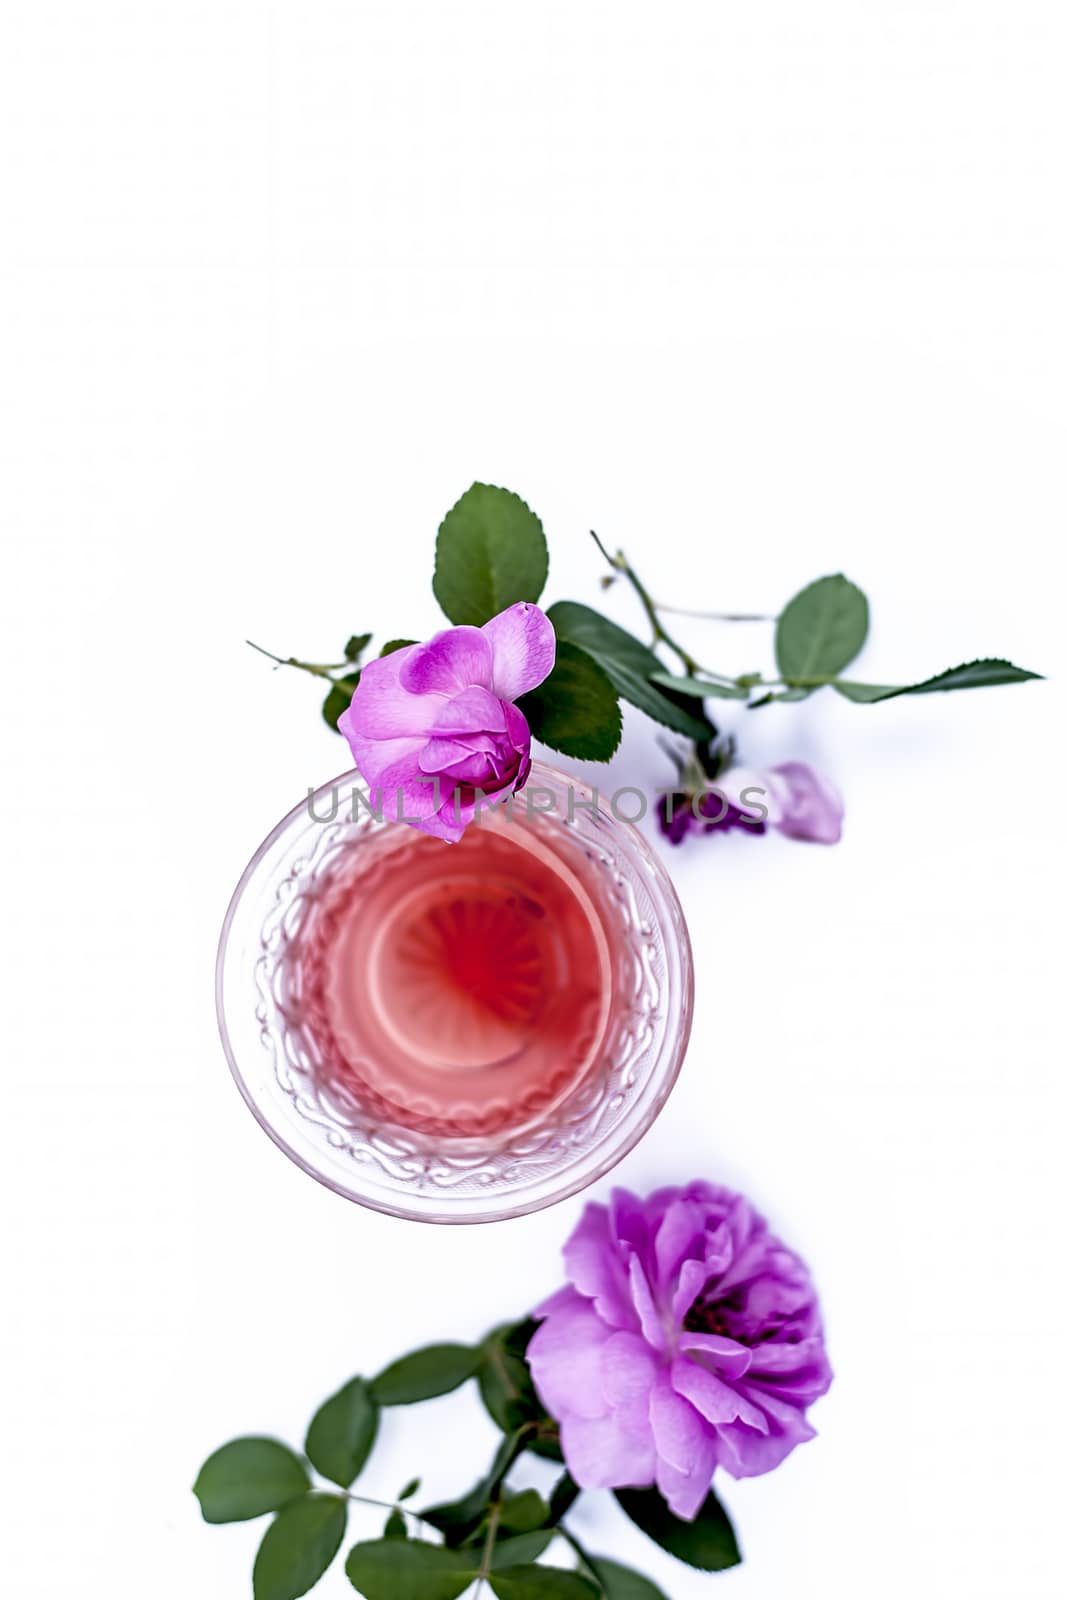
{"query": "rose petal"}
pixel 460 764
pixel 381 708
pixel 564 1358
pixel 443 824
pixel 645 1306
pixel 718 1252
pixel 776 1295
pixel 556 1302
pixel 525 768
pixel 628 1368
pixel 375 756
pixel 809 805
pixel 747 1454
pixel 716 1401
pixel 717 1354
pixel 685 1492
pixel 782 1415
pixel 523 645
pixel 450 662
pixel 593 1266
pixel 675 817
pixel 613 1452
pixel 441 752
pixel 472 710
pixel 437 754
pixel 796 1373
pixel 685 1448
pixel 628 1219
pixel 407 793
pixel 760 793
pixel 751 1242
pixel 680 1234
pixel 691 1280
pixel 516 727
pixel 677 1427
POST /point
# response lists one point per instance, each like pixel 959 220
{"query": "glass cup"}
pixel 455 1032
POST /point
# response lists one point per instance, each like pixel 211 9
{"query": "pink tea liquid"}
pixel 458 989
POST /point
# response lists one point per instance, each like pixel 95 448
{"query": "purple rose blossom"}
pixel 803 804
pixel 433 729
pixel 791 797
pixel 678 810
pixel 687 1338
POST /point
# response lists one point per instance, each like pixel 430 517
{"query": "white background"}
pixel 759 291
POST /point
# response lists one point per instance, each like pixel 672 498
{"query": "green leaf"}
pixel 425 1374
pixel 700 688
pixel 628 664
pixel 408 1569
pixel 298 1547
pixel 622 1583
pixel 457 1520
pixel 523 1512
pixel 247 1478
pixel 342 1433
pixel 395 644
pixel 602 638
pixel 356 646
pixel 546 1442
pixel 982 674
pixel 396 1526
pixel 339 699
pixel 491 553
pixel 504 1380
pixel 564 1493
pixel 575 710
pixel 507 1387
pixel 412 1486
pixel 708 1542
pixel 525 1547
pixel 821 629
pixel 540 1583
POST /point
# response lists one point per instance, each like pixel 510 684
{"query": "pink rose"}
pixel 433 728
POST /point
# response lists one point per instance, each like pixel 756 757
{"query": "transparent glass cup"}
pixel 396 1088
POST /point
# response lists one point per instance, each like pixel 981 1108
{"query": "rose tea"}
pixel 456 1032
pixel 461 989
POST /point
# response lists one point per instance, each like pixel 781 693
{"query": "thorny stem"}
pixel 619 563
pixel 518 1444
pixel 486 1564
pixel 659 633
pixel 379 1505
pixel 718 616
pixel 802 683
pixel 316 669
